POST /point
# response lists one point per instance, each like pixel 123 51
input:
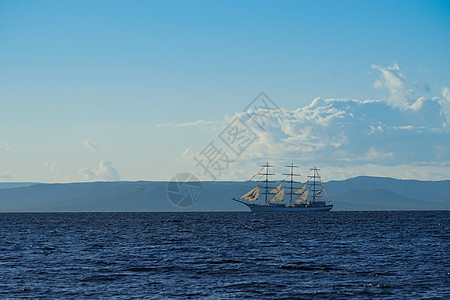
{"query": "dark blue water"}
pixel 225 255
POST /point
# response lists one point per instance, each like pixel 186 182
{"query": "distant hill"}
pixel 381 193
pixel 360 193
pixel 9 185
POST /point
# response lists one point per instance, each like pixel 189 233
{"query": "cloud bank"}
pixel 356 132
pixel 105 171
pixel 402 136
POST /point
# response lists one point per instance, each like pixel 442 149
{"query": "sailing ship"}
pixel 310 196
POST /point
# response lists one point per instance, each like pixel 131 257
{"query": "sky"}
pixel 144 90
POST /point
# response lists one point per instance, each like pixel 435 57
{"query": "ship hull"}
pixel 267 208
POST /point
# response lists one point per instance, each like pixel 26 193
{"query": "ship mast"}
pixel 315 174
pixel 267 174
pixel 291 181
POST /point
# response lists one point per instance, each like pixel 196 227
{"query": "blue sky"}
pixel 108 90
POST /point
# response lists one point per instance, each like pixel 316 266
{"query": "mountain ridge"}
pixel 358 193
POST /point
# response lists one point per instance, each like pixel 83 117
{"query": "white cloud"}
pixel 353 132
pixel 393 79
pixel 446 93
pixel 187 154
pixel 186 157
pixel 88 144
pixel 375 129
pixel 87 174
pixel 54 170
pixel 445 103
pixel 105 171
pixel 5 175
pixel 52 166
pixel 401 137
pixel 197 123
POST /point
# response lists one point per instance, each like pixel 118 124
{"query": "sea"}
pixel 226 255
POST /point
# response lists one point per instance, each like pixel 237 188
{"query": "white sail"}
pixel 276 189
pixel 249 193
pixel 301 189
pixel 255 195
pixel 252 195
pixel 278 197
pixel 302 197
